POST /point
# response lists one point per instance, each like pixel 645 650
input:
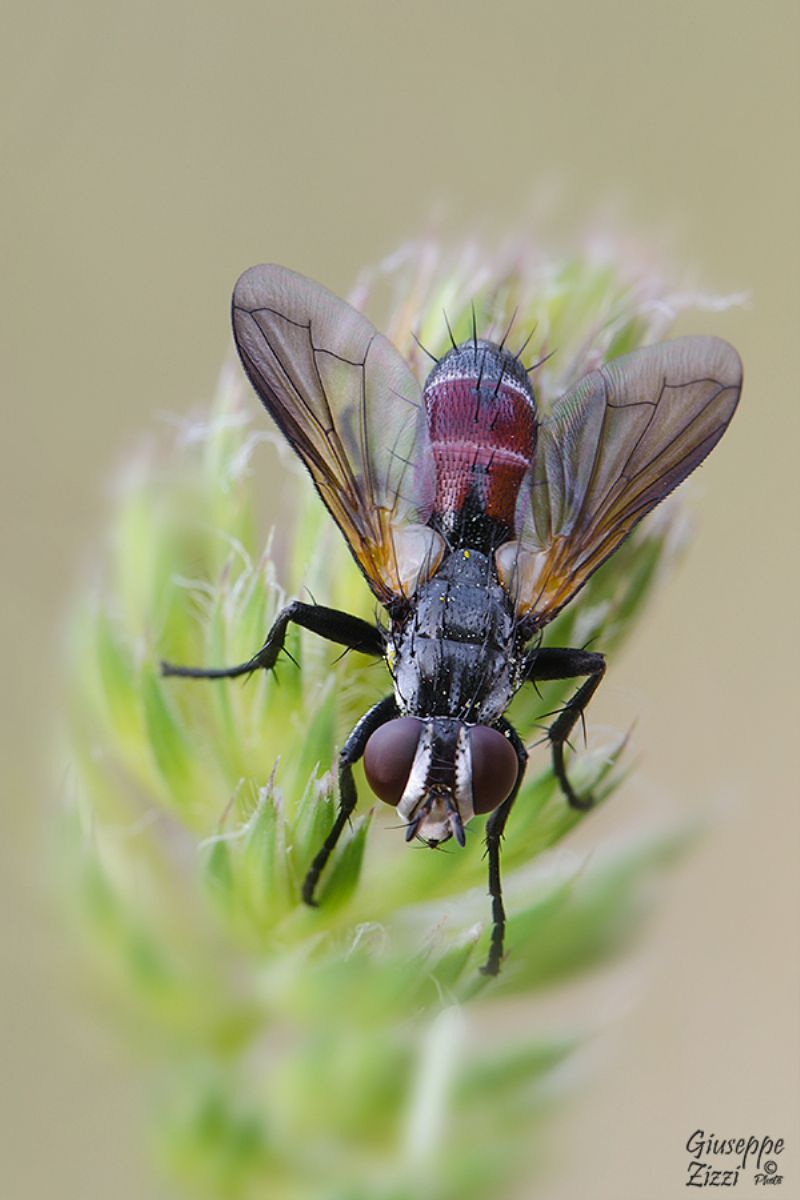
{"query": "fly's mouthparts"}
pixel 437 820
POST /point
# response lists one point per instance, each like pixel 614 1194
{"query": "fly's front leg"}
pixel 329 623
pixel 494 836
pixel 385 710
pixel 552 663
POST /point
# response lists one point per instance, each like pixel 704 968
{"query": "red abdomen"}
pixel 482 424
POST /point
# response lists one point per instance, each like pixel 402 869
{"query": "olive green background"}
pixel 150 152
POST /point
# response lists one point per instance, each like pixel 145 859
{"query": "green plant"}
pixel 350 1051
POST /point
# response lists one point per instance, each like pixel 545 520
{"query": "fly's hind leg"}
pixel 330 623
pixel 494 836
pixel 350 753
pixel 554 663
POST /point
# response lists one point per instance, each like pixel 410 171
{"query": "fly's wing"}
pixel 613 447
pixel 349 406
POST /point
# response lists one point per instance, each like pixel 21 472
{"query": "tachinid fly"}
pixel 474 519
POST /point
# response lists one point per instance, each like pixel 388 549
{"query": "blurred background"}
pixel 151 152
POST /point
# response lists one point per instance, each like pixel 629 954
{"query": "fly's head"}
pixel 439 772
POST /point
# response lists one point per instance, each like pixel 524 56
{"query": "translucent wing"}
pixel 350 407
pixel 613 447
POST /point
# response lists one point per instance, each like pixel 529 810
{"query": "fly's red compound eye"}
pixel 389 757
pixel 494 768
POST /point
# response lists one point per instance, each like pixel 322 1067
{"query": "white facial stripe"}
pixel 439 813
pixel 415 788
pixel 463 797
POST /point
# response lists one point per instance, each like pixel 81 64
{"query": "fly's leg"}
pixel 345 630
pixel 494 836
pixel 553 663
pixel 328 623
pixel 385 710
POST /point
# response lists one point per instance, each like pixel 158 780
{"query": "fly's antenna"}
pixel 539 363
pixel 412 827
pixel 449 330
pixel 474 329
pixel 524 345
pixel 508 331
pixel 457 826
pixel 424 349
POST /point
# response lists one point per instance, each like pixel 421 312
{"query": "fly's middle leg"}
pixel 554 663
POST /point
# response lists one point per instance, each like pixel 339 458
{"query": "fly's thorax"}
pixel 481 416
pixel 439 773
pixel 453 653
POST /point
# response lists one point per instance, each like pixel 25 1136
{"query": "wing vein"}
pixel 598 471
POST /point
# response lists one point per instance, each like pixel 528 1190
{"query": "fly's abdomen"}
pixel 482 423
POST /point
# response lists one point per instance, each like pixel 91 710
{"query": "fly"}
pixel 475 519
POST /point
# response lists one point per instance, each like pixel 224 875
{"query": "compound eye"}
pixel 389 757
pixel 494 768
